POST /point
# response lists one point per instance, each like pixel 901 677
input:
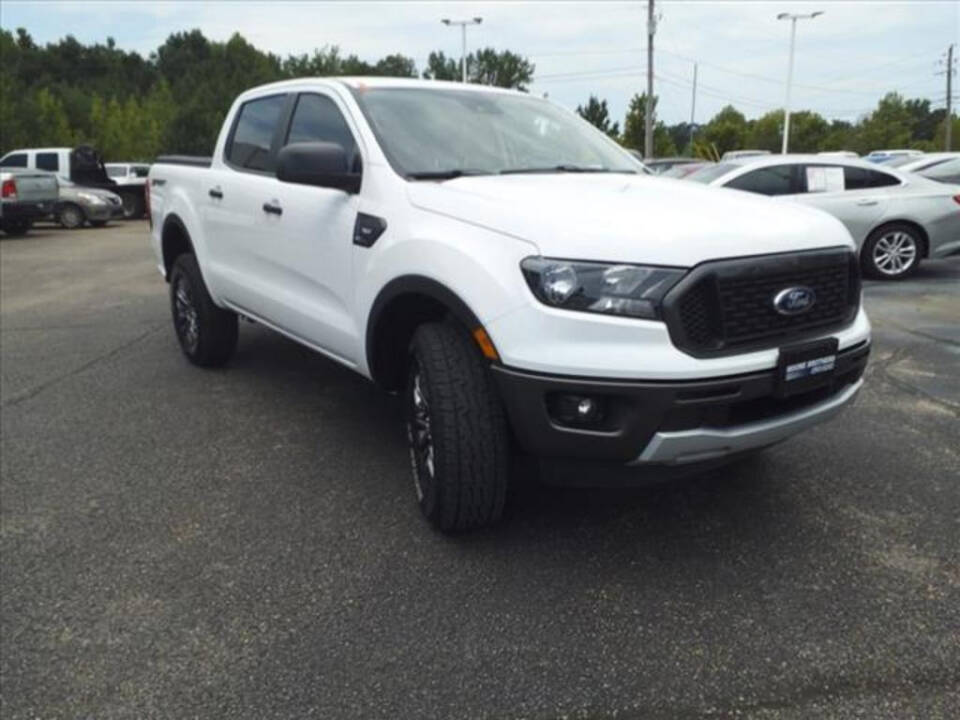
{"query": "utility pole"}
pixel 948 135
pixel 793 39
pixel 693 107
pixel 463 41
pixel 648 112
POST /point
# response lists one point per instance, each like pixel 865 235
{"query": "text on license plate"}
pixel 809 368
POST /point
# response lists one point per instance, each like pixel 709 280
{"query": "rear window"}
pixel 711 172
pixel 15 160
pixel 253 133
pixel 773 180
pixel 856 178
pixel 48 161
pixel 945 172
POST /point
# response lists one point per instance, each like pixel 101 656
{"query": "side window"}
pixel 15 160
pixel 48 161
pixel 141 171
pixel 773 180
pixel 856 178
pixel 253 133
pixel 318 119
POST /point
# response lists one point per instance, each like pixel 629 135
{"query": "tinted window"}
pixel 48 161
pixel 317 119
pixel 774 180
pixel 15 160
pixel 253 133
pixel 856 178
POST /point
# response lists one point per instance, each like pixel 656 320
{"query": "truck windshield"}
pixel 446 133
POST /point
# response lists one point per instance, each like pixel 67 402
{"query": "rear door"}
pixel 856 196
pixel 309 237
pixel 231 195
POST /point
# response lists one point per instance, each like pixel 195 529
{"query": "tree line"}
pixel 174 100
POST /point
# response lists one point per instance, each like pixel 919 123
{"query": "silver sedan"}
pixel 896 218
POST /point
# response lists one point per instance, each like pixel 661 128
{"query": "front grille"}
pixel 727 306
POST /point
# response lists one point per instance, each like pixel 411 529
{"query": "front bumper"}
pixel 672 423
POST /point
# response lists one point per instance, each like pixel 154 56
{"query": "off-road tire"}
pixel 132 205
pixel 467 427
pixel 208 337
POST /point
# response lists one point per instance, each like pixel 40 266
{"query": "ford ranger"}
pixel 512 272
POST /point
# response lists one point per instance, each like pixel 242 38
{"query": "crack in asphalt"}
pixel 29 393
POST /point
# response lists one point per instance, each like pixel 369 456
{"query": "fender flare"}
pixel 173 220
pixel 413 285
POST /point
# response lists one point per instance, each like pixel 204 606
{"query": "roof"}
pixel 362 82
pixel 791 159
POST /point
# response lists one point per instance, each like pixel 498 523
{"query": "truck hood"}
pixel 627 218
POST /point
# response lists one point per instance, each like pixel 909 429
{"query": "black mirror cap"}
pixel 323 164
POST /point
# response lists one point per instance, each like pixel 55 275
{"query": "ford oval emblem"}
pixel 794 300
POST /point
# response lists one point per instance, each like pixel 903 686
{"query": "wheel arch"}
pixel 175 240
pixel 399 308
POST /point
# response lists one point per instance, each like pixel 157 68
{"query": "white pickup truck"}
pixel 507 268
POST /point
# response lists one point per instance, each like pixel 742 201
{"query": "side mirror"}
pixel 322 164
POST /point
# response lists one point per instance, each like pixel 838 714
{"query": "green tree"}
pixel 50 125
pixel 485 67
pixel 886 127
pixel 634 126
pixel 727 130
pixel 596 113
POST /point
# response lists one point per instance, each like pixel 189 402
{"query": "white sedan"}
pixel 895 218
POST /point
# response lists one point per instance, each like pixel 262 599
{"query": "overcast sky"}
pixel 846 59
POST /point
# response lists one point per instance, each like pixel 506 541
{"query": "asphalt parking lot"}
pixel 245 543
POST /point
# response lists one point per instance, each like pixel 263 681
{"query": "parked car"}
pixel 884 156
pixel 130 175
pixel 658 166
pixel 81 165
pixel 945 172
pixel 684 169
pixel 507 268
pixel 919 163
pixel 895 218
pixel 25 196
pixel 735 154
pixel 78 205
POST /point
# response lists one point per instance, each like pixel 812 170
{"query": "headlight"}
pixel 92 199
pixel 632 290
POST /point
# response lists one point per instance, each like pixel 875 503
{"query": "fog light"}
pixel 586 409
pixel 576 410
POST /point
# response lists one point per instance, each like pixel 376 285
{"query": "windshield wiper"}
pixel 444 174
pixel 564 168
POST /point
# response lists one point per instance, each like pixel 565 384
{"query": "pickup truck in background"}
pixel 81 166
pixel 512 273
pixel 25 196
pixel 130 176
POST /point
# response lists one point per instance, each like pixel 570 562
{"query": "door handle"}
pixel 867 203
pixel 272 209
pixel 215 193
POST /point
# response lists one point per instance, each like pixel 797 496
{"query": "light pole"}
pixel 463 41
pixel 792 17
